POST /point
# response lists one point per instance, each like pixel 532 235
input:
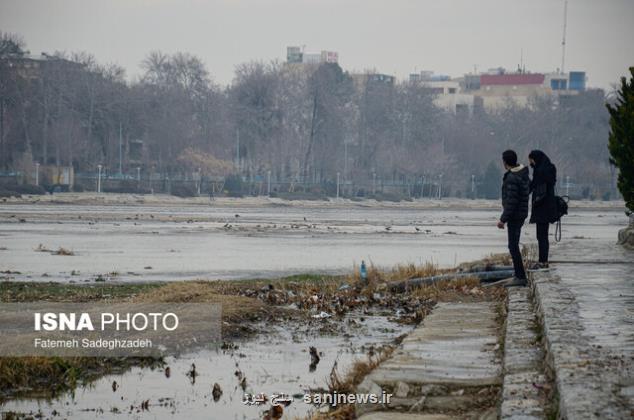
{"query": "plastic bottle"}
pixel 363 272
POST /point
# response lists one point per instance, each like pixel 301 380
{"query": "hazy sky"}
pixel 391 36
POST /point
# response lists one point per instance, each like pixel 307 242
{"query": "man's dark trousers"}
pixel 514 229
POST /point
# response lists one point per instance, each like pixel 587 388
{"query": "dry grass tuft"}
pixel 51 375
pixel 347 384
pixel 484 263
pixel 234 308
pixel 397 273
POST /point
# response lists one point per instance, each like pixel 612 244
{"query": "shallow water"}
pixel 188 242
pixel 274 363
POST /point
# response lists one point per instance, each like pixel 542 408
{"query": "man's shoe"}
pixel 515 282
pixel 539 266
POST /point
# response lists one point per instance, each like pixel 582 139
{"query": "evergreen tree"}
pixel 621 140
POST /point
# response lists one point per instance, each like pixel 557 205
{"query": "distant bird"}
pixel 237 215
pixel 417 229
pixel 115 385
pixel 305 220
pixel 388 228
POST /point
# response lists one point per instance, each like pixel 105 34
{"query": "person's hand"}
pixel 500 224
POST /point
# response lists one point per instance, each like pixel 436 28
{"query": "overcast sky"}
pixel 391 36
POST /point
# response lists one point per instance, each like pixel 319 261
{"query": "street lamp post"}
pixel 472 186
pixel 440 187
pixel 338 175
pixel 200 180
pixel 120 151
pixel 373 183
pixel 37 173
pixel 268 174
pixel 238 150
pixel 567 185
pixel 99 179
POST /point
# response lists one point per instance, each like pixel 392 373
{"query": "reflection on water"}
pixel 277 363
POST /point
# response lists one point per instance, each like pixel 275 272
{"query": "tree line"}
pixel 301 123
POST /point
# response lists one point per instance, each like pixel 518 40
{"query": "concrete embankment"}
pixel 586 309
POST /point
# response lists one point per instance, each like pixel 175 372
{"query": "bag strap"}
pixel 558 230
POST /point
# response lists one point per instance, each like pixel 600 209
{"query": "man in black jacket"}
pixel 515 191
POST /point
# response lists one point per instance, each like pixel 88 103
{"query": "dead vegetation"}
pixel 347 382
pixel 245 304
pixel 63 251
pixel 60 251
pixel 238 312
pixel 48 376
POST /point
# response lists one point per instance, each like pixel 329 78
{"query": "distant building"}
pixel 329 57
pixel 29 66
pixel 296 55
pixel 362 80
pixel 382 78
pixel 497 88
pixel 448 93
pixel 311 58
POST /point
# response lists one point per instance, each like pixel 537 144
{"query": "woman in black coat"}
pixel 543 204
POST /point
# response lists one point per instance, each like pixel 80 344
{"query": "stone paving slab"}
pixel 453 349
pixel 455 344
pixel 522 361
pixel 587 314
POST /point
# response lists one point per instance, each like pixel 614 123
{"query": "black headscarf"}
pixel 544 172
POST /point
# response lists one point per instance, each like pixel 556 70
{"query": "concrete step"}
pixel 447 364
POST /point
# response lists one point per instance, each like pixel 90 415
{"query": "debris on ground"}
pixel 59 251
pixel 216 392
pixel 63 251
pixel 314 359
